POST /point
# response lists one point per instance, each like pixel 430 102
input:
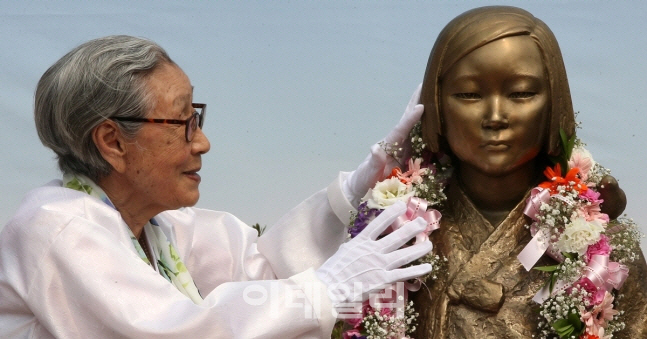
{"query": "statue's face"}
pixel 495 103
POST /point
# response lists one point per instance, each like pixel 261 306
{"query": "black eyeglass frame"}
pixel 192 123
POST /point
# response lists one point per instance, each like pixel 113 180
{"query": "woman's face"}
pixel 495 103
pixel 161 165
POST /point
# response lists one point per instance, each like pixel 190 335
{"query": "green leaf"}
pixel 567 149
pixel 338 330
pixel 569 326
pixel 564 165
pixel 550 268
pixel 555 159
pixel 563 328
pixel 571 145
pixel 564 138
pixel 578 325
pixel 568 255
pixel 567 143
pixel 553 280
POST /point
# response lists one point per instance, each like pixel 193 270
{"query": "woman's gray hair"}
pixel 98 80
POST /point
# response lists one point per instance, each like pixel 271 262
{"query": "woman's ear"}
pixel 111 144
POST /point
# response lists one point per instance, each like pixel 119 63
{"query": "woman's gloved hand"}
pixel 375 167
pixel 372 263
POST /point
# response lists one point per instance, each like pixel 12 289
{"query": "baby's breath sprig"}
pixel 381 325
pixel 624 238
pixel 556 213
pixel 570 270
pixel 353 217
pixel 438 266
pixel 431 189
pixel 393 150
pixel 418 146
pixel 561 313
pixel 596 174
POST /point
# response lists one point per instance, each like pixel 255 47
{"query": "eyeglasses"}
pixel 192 123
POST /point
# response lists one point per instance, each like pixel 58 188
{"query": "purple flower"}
pixel 364 216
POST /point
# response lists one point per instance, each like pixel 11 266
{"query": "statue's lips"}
pixel 495 146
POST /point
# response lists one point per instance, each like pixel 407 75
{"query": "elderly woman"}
pixel 496 97
pixel 114 250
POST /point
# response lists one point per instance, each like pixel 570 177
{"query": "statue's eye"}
pixel 521 95
pixel 468 96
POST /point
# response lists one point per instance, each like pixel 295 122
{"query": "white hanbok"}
pixel 68 269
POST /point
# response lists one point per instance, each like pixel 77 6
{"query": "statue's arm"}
pixel 634 301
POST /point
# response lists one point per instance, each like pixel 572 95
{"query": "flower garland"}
pixel 567 224
pixel 591 250
pixel 421 187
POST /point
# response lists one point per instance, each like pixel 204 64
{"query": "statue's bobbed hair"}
pixel 476 28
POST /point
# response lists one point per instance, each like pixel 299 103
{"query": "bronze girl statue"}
pixel 496 96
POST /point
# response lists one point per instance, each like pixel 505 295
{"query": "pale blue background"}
pixel 298 90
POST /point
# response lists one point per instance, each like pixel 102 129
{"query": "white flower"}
pixel 387 192
pixel 579 234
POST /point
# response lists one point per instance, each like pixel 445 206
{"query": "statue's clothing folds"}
pixel 486 292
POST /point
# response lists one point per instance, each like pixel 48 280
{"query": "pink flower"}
pixel 596 319
pixel 596 295
pixel 581 158
pixel 354 316
pixel 592 212
pixel 355 322
pixel 592 196
pixel 601 247
pixel 350 334
pixel 386 311
pixel 414 174
pixel 366 308
pixel 385 300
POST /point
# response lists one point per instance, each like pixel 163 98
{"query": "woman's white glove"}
pixel 374 168
pixel 365 264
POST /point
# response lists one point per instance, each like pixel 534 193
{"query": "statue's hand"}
pixel 377 164
pixel 614 197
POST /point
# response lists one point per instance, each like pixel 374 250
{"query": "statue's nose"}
pixel 495 117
